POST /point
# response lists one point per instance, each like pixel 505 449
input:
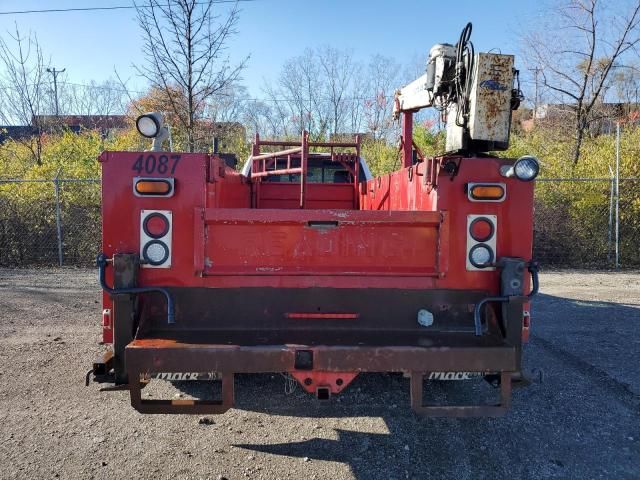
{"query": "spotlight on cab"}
pixel 151 125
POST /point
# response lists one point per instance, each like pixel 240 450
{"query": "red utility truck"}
pixel 305 264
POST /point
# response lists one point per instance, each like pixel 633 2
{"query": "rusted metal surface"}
pixel 147 356
pixel 103 364
pixel 179 406
pixel 417 381
pixel 490 99
pixel 385 316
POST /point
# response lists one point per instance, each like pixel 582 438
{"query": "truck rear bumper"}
pixel 148 356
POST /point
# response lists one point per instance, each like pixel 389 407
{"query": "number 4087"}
pixel 161 164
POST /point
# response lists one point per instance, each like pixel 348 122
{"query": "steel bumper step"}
pixel 148 356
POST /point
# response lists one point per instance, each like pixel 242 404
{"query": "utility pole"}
pixel 535 95
pixel 55 73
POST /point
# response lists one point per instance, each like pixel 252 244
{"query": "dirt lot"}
pixel 582 421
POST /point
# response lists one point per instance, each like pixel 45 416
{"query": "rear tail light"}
pixel 481 229
pixel 481 242
pixel 155 225
pixel 155 238
pixel 153 187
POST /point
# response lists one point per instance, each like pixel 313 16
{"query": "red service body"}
pixel 305 264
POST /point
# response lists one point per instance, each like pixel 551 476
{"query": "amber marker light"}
pixel 153 187
pixel 487 192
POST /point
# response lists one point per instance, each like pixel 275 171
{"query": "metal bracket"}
pixel 180 406
pixel 102 262
pixel 417 380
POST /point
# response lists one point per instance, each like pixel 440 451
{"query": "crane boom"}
pixel 475 92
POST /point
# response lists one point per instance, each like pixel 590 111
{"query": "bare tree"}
pixel 228 104
pixel 94 98
pixel 383 81
pixel 185 43
pixel 357 98
pixel 24 88
pixel 626 82
pixel 578 49
pixel 326 92
pixel 280 111
pixel 337 67
pixel 261 118
pixel 301 83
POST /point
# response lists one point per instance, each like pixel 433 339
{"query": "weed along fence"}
pixel 579 222
pixel 587 223
pixel 49 222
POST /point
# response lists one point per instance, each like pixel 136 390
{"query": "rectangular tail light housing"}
pixel 153 187
pixel 155 238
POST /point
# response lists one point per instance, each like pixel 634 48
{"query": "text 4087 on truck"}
pixel 305 264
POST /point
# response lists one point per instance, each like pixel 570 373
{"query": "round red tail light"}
pixel 481 229
pixel 156 225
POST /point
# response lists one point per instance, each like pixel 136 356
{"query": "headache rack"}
pixel 295 161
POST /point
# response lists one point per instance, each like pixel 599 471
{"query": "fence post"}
pixel 611 196
pixel 617 195
pixel 56 184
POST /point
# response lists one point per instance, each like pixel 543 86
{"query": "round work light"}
pixel 155 252
pixel 526 168
pixel 481 256
pixel 149 124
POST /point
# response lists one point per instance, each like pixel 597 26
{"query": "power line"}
pixel 113 7
pixel 237 99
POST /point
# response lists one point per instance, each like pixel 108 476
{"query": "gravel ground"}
pixel 582 421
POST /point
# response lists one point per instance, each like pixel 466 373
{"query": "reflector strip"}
pixel 106 318
pixel 323 316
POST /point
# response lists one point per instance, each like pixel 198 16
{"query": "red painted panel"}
pixel 318 195
pixel 396 240
pixel 407 190
pixel 321 242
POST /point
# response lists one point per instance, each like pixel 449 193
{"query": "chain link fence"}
pixel 587 223
pixel 49 222
pixel 579 223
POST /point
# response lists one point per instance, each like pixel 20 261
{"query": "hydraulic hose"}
pixel 102 261
pixel 477 321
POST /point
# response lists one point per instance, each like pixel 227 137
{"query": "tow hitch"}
pixel 101 370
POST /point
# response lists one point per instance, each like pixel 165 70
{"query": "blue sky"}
pixel 91 44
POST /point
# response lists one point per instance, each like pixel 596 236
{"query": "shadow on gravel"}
pixel 583 421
